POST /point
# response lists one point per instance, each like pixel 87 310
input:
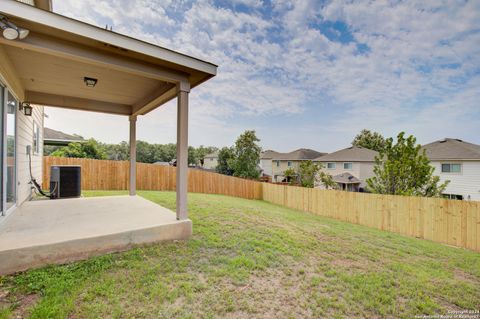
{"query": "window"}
pixel 453 196
pixel 451 168
pixel 278 163
pixel 331 165
pixel 347 165
pixel 289 163
pixel 36 138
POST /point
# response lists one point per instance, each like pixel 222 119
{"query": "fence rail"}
pixel 451 222
pixel 114 175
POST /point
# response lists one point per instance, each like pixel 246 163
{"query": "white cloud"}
pixel 423 60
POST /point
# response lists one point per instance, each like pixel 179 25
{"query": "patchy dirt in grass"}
pixel 464 276
pixel 21 304
pixel 350 264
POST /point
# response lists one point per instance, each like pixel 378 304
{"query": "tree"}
pixel 247 156
pixel 368 139
pixel 290 175
pixel 88 149
pixel 402 169
pixel 118 152
pixel 225 157
pixel 307 173
pixel 327 180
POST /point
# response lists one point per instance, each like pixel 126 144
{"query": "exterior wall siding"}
pixel 361 170
pixel 266 165
pixel 279 170
pixel 25 136
pixel 210 162
pixel 466 183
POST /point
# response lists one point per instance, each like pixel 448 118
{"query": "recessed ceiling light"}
pixel 90 82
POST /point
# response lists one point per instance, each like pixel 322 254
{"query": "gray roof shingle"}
pixel 450 148
pixel 350 154
pixel 300 154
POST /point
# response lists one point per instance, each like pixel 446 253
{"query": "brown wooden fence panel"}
pixel 451 222
pixel 114 175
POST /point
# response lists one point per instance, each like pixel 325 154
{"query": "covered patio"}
pixel 70 64
pixel 44 231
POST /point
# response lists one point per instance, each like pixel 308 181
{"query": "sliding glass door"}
pixel 8 185
pixel 11 176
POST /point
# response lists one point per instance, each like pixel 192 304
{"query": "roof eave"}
pixel 79 28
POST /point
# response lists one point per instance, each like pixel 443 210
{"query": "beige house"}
pixel 52 60
pixel 274 164
pixel 459 162
pixel 349 167
pixel 210 161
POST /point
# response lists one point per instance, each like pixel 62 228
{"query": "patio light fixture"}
pixel 10 31
pixel 27 108
pixel 90 82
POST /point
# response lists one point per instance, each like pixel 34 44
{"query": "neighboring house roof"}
pixel 350 154
pixel 212 155
pixel 162 163
pixel 297 155
pixel 450 148
pixel 54 137
pixel 346 178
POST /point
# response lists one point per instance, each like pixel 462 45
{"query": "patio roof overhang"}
pixel 48 66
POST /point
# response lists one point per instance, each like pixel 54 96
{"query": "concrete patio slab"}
pixel 60 231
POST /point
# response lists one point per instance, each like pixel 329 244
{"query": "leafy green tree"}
pixel 145 152
pixel 88 149
pixel 225 157
pixel 402 169
pixel 368 139
pixel 164 152
pixel 327 180
pixel 307 173
pixel 118 152
pixel 290 175
pixel 247 156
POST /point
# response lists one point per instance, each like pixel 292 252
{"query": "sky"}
pixel 306 73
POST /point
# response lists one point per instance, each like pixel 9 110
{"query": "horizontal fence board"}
pixel 451 222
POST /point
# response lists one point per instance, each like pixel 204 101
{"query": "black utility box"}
pixel 65 181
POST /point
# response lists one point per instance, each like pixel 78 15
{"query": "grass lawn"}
pixel 252 259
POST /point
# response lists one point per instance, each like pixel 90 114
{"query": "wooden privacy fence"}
pixel 451 222
pixel 445 221
pixel 114 175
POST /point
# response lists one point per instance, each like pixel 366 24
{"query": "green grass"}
pixel 250 259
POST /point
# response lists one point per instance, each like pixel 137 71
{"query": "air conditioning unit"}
pixel 65 181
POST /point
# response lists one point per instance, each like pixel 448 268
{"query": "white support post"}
pixel 133 155
pixel 183 88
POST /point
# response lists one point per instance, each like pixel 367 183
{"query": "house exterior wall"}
pixel 465 183
pixel 266 165
pixel 361 170
pixel 278 171
pixel 25 137
pixel 210 162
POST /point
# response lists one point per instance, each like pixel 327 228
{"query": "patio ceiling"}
pixel 48 67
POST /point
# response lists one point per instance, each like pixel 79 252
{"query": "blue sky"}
pixel 303 73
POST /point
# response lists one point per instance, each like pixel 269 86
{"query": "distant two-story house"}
pixel 210 161
pixel 274 164
pixel 459 162
pixel 349 167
